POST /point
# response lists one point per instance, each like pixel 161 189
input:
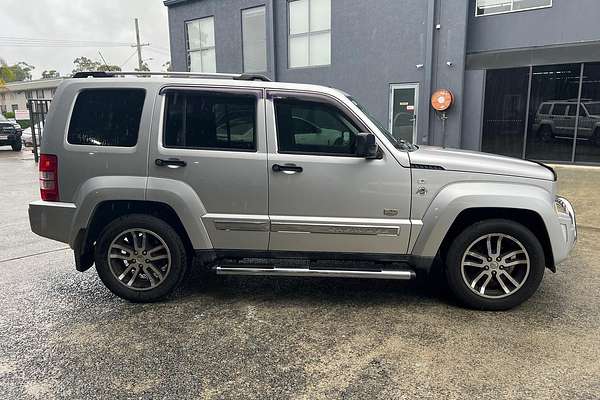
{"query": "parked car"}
pixel 251 177
pixel 10 133
pixel 27 137
pixel 555 119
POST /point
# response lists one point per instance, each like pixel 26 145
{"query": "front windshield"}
pixel 398 143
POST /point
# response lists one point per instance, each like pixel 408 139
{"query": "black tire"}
pixel 17 146
pixel 546 134
pixel 173 242
pixel 454 275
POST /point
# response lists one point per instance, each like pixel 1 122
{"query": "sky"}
pixel 105 22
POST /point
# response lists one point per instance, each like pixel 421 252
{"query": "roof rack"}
pixel 112 74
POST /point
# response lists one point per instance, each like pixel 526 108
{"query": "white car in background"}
pixel 27 137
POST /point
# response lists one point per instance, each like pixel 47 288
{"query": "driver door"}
pixel 322 197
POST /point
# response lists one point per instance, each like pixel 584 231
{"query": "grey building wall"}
pixel 567 21
pixel 374 44
pixel 473 93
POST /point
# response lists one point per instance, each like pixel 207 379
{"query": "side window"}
pixel 559 109
pixel 202 120
pixel 545 108
pixel 310 127
pixel 107 117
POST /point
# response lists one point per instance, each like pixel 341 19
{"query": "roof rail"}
pixel 112 74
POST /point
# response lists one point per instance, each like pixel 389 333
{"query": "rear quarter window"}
pixel 106 117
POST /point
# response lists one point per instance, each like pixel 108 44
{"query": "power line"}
pixel 27 40
pixel 9 41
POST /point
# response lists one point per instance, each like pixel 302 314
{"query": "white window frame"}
pixel 512 9
pixel 201 48
pixel 307 35
pixel 244 50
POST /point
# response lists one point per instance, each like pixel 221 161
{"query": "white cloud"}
pixel 84 20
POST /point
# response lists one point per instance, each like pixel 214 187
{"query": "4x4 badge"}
pixel 390 212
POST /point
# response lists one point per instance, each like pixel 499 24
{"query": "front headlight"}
pixel 560 207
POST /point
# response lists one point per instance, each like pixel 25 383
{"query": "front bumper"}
pixel 52 219
pixel 568 226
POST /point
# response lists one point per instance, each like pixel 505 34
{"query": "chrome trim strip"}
pixel 259 271
pixel 242 226
pixel 335 229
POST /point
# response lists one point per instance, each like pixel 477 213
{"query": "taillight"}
pixel 49 177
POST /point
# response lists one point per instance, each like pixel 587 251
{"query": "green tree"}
pixel 84 64
pixel 17 72
pixel 144 67
pixel 51 74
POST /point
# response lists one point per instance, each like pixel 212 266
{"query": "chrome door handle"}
pixel 170 163
pixel 288 169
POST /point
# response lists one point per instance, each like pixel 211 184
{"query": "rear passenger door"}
pixel 213 141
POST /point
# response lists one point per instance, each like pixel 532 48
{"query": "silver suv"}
pixel 143 175
pixel 559 119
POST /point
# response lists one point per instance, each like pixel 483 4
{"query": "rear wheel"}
pixel 495 265
pixel 140 258
pixel 17 146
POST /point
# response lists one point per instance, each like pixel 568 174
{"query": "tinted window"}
pixel 107 117
pixel 559 109
pixel 313 127
pixel 203 120
pixel 545 108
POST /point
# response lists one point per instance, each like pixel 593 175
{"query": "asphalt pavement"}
pixel 63 335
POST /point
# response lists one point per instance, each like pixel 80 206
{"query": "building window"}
pixel 201 45
pixel 15 107
pixel 309 33
pixel 487 7
pixel 3 109
pixel 561 121
pixel 254 39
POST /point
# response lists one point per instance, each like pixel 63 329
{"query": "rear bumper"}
pixel 52 220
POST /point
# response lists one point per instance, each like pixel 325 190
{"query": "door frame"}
pixel 394 86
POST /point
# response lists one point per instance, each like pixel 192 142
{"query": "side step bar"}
pixel 261 271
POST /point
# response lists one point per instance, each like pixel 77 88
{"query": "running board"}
pixel 261 271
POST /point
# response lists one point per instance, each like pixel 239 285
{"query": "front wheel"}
pixel 495 265
pixel 140 258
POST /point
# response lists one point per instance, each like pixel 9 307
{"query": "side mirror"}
pixel 366 146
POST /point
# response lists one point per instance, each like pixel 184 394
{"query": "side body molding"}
pixel 457 197
pixel 186 203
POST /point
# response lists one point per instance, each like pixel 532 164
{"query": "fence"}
pixel 38 110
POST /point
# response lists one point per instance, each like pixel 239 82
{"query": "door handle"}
pixel 288 169
pixel 170 162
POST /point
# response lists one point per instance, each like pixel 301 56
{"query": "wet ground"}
pixel 63 335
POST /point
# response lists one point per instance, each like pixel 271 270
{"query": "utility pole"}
pixel 139 45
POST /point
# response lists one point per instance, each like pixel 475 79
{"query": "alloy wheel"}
pixel 139 259
pixel 495 266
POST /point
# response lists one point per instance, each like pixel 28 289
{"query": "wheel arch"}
pixel 463 203
pixel 528 218
pixel 109 210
